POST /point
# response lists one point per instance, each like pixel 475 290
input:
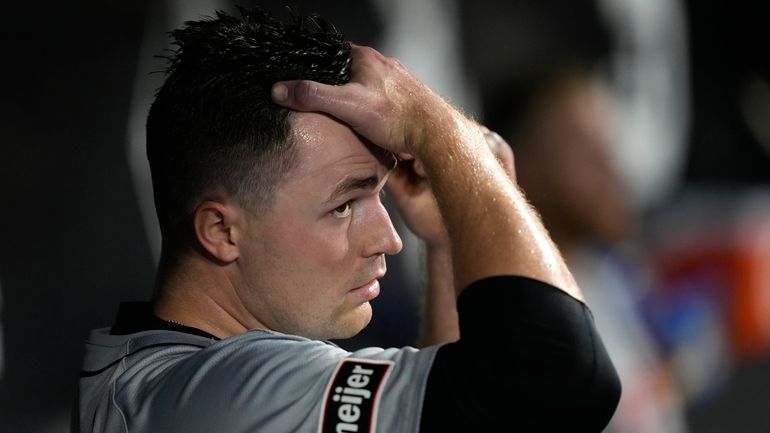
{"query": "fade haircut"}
pixel 213 125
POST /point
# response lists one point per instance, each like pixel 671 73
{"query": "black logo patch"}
pixel 352 397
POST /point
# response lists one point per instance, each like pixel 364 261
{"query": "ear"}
pixel 216 228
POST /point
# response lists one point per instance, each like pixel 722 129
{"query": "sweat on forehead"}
pixel 313 129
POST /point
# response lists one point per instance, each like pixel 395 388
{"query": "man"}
pixel 562 124
pixel 275 237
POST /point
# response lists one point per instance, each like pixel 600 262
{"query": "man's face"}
pixel 576 185
pixel 309 264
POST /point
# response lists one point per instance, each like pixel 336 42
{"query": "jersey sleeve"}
pixel 529 357
pixel 391 383
pixel 269 382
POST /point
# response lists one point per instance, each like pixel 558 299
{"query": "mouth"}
pixel 369 290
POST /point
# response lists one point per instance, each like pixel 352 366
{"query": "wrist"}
pixel 438 260
pixel 430 122
pixel 438 247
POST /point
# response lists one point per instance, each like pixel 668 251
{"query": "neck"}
pixel 206 300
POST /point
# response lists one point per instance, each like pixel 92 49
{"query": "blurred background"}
pixel 641 130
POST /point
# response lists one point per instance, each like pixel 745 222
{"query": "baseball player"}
pixel 269 145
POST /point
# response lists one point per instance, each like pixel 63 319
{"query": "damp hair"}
pixel 213 127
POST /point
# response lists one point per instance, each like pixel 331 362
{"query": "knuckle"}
pixel 306 93
pixel 395 63
pixel 365 51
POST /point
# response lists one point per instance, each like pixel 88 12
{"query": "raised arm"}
pixel 410 192
pixel 479 202
pixel 528 355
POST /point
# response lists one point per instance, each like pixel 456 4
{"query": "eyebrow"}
pixel 352 184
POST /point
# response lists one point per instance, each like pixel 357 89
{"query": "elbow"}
pixel 589 387
pixel 601 393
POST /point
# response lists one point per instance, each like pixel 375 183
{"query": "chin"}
pixel 354 323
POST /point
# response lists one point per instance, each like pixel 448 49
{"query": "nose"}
pixel 381 236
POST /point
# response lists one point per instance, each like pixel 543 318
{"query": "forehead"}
pixel 326 146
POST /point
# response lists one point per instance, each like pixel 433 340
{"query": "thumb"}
pixel 306 95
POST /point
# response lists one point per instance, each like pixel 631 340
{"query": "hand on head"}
pixel 386 104
pixel 461 161
pixel 383 101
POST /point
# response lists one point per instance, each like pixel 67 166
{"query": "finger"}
pixel 359 51
pixel 397 187
pixel 306 95
pixel 419 168
pixel 407 180
pixel 502 151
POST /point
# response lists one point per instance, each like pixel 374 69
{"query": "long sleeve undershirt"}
pixel 529 359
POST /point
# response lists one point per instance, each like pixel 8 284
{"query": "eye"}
pixel 342 211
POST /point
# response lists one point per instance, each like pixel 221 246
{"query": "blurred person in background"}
pixel 559 125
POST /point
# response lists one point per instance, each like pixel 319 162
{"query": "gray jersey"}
pixel 259 381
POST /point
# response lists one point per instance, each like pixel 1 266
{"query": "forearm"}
pixel 440 309
pixel 492 228
pixel 513 325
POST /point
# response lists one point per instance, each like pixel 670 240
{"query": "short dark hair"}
pixel 213 124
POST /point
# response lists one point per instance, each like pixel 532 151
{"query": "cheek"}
pixel 310 253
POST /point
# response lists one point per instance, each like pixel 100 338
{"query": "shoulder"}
pixel 275 382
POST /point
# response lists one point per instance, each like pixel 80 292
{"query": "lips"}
pixel 369 290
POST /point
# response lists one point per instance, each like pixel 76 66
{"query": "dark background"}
pixel 72 241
